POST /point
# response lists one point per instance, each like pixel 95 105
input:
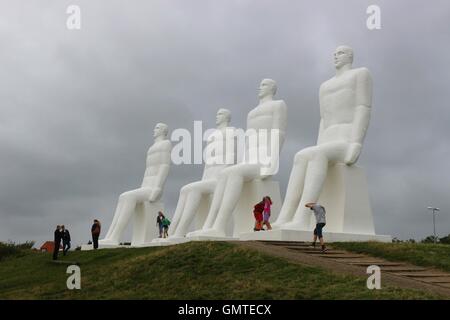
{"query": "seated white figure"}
pixel 345 105
pixel 267 116
pixel 192 194
pixel 157 169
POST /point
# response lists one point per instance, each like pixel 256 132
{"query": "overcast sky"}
pixel 78 107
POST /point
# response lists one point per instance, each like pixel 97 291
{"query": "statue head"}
pixel 343 55
pixel 223 116
pixel 161 129
pixel 267 87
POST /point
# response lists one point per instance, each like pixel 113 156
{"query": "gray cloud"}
pixel 78 107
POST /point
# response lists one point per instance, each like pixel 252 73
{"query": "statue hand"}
pixel 155 194
pixel 353 153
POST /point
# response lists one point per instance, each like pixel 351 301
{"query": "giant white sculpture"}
pixel 143 203
pixel 269 114
pixel 194 198
pixel 326 172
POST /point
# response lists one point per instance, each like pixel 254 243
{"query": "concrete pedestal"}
pixel 242 218
pixel 345 197
pixel 252 193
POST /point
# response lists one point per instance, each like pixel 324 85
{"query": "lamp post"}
pixel 434 210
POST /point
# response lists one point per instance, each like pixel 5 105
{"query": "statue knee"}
pixel 225 173
pixel 184 189
pixel 304 155
pixel 308 154
pixel 126 196
pixel 123 196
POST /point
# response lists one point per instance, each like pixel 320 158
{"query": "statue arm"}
pixel 163 172
pixel 361 117
pixel 321 125
pixel 319 137
pixel 280 123
pixel 160 179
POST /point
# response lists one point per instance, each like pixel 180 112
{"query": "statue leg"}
pixel 192 205
pixel 178 211
pixel 294 190
pixel 129 200
pixel 319 158
pixel 215 203
pixel 237 175
pixel 115 218
pixel 314 180
pixel 230 198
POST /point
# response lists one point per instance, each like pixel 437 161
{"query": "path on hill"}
pixel 397 274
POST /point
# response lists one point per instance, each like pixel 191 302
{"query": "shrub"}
pixel 445 240
pixel 13 249
pixel 430 239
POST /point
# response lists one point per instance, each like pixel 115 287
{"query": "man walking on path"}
pixel 65 239
pixel 319 212
pixel 95 230
pixel 57 243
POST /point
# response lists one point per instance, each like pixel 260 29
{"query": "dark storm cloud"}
pixel 78 107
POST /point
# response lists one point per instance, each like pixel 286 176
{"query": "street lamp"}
pixel 434 220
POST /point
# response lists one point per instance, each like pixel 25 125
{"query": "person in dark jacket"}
pixel 57 243
pixel 159 222
pixel 65 239
pixel 95 230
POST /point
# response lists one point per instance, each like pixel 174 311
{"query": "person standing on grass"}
pixel 266 213
pixel 65 239
pixel 57 243
pixel 159 222
pixel 95 230
pixel 319 212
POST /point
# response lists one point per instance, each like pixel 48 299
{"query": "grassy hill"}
pixel 421 254
pixel 197 270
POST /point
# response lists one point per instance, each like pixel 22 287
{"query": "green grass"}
pixel 197 270
pixel 421 254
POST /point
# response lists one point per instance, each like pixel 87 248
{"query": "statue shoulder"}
pixel 280 104
pixel 325 84
pixel 362 72
pixel 164 145
pixel 230 129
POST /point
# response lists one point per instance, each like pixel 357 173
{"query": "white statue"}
pixel 269 114
pixel 157 169
pixel 192 194
pixel 345 105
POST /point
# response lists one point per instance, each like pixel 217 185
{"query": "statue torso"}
pixel 262 117
pixel 217 161
pixel 157 155
pixel 337 106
